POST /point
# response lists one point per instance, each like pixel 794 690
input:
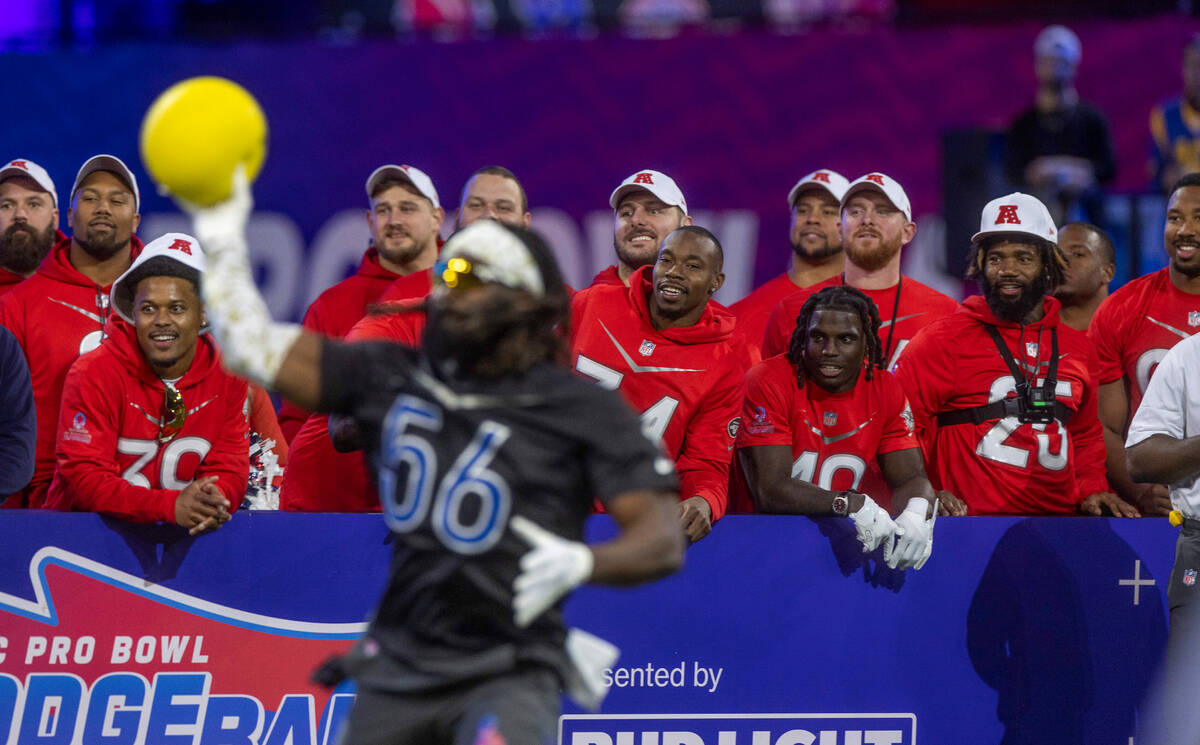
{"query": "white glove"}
pixel 549 570
pixel 252 345
pixel 874 526
pixel 914 536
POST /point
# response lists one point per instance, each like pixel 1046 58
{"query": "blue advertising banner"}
pixel 777 631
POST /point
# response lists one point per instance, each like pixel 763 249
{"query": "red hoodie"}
pixel 687 381
pixel 1002 466
pixel 334 312
pixel 57 314
pixel 109 457
pixel 319 478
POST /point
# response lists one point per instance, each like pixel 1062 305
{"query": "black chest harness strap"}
pixel 1019 405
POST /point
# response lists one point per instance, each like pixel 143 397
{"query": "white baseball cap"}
pixel 883 184
pixel 1017 213
pixel 29 169
pixel 114 165
pixel 413 175
pixel 494 253
pixel 1058 41
pixel 657 183
pixel 831 181
pixel 179 247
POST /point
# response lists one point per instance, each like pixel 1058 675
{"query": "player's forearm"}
pixel 1162 459
pixel 649 546
pixel 1116 468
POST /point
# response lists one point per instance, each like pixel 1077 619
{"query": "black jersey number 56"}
pixel 406 505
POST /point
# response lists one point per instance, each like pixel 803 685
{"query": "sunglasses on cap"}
pixel 174 413
pixel 458 273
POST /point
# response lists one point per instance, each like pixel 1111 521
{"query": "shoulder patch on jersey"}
pixel 732 428
pixel 78 431
pixel 762 423
pixel 907 416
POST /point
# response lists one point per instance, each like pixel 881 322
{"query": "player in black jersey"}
pixel 487 454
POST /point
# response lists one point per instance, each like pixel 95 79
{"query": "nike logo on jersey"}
pixel 158 422
pixel 836 438
pixel 1168 327
pixel 94 316
pixel 885 324
pixel 636 367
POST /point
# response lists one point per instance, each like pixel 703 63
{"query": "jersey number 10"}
pixel 407 505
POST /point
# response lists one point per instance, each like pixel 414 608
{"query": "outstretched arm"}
pixel 280 356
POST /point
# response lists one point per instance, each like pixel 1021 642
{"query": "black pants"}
pixel 521 707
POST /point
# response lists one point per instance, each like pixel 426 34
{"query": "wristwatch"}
pixel 841 503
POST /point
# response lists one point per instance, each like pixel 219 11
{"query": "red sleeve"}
pixel 403 327
pixel 764 390
pixel 86 458
pixel 1088 436
pixel 229 457
pixel 703 462
pixel 926 376
pixel 899 431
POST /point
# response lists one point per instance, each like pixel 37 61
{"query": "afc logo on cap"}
pixel 19 164
pixel 821 176
pixel 876 177
pixel 1008 215
pixel 181 245
pixel 643 178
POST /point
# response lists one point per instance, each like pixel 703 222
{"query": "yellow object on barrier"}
pixel 195 134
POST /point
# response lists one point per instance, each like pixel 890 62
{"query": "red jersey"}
pixel 1002 466
pixel 835 437
pixel 109 456
pixel 608 276
pixel 687 381
pixel 919 306
pixel 318 477
pixel 57 314
pixel 753 311
pixel 334 312
pixel 1135 327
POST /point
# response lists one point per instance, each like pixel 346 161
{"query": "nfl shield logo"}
pixel 1194 318
pixel 830 418
pixel 646 349
pixel 1189 577
pixel 1031 348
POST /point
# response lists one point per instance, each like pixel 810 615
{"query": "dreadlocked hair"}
pixel 837 297
pixel 1054 263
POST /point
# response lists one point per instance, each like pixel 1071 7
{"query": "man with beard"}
pixel 816 252
pixel 1135 327
pixel 676 359
pixel 488 454
pixel 404 217
pixel 152 428
pixel 647 206
pixel 876 221
pixel 1002 391
pixel 59 313
pixel 28 220
pixel 326 470
pixel 1091 261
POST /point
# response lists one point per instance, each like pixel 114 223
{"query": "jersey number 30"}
pixel 468 482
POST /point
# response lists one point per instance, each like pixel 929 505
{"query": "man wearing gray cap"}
pixel 28 220
pixel 1059 149
pixel 59 313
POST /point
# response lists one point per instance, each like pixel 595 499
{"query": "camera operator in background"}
pixel 1003 391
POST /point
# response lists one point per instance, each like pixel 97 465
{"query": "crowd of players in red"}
pixel 837 386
